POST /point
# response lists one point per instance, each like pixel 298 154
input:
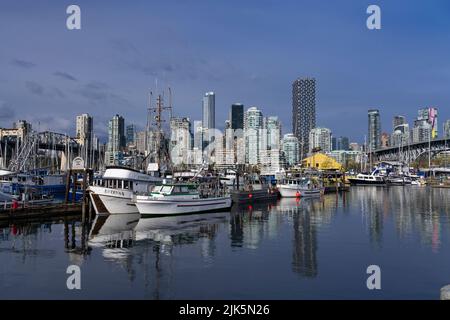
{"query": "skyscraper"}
pixel 447 129
pixel 425 126
pixel 253 124
pixel 429 115
pixel 374 132
pixel 130 134
pixel 116 133
pixel 290 149
pixel 320 138
pixel 342 143
pixel 209 117
pixel 84 129
pixel 303 110
pixel 397 121
pixel 180 140
pixel 237 116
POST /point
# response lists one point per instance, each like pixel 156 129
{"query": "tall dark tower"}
pixel 237 116
pixel 303 111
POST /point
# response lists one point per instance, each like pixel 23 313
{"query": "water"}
pixel 307 249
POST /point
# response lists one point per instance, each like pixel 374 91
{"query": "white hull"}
pixel 288 191
pixel 110 201
pixel 147 205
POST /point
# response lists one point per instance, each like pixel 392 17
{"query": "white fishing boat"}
pixel 179 199
pixel 113 193
pixel 299 187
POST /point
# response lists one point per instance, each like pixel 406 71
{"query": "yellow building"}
pixel 321 161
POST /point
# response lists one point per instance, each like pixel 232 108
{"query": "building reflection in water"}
pixel 305 217
pixel 415 211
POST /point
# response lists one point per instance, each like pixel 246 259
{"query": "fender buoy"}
pixel 250 195
pixel 297 194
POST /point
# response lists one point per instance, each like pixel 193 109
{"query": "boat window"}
pixel 184 189
pixel 166 189
pixel 126 184
pixel 176 189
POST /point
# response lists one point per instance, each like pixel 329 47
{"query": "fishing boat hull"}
pixel 363 182
pixel 148 205
pixel 287 191
pixel 110 201
pixel 241 196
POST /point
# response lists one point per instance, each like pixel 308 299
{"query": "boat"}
pixel 113 192
pixel 299 187
pixel 180 198
pixel 368 179
pixel 44 182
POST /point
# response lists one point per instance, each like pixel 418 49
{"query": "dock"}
pixel 41 211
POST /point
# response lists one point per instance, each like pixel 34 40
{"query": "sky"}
pixel 245 51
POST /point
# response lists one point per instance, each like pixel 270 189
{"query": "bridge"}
pixel 412 151
pixel 22 153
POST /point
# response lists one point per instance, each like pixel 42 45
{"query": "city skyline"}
pixel 397 77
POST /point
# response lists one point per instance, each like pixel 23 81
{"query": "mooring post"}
pixel 83 203
pixel 68 177
pixel 74 187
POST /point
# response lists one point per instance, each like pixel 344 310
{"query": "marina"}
pixel 285 249
pixel 209 150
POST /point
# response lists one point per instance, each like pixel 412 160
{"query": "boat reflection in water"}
pixel 117 233
pixel 114 232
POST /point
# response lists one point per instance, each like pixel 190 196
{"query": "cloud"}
pixel 94 91
pixel 22 64
pixel 55 92
pixel 65 75
pixel 99 93
pixel 35 88
pixel 53 123
pixel 6 112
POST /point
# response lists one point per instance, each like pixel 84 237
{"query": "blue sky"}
pixel 245 51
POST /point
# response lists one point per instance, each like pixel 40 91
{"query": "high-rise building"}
pixel 197 150
pixel 354 146
pixel 116 139
pixel 253 124
pixel 385 137
pixel 320 138
pixel 342 143
pixel 290 149
pixel 421 132
pixel 398 121
pixel 400 136
pixel 303 110
pixel 429 115
pixel 374 134
pixel 84 127
pixel 270 148
pixel 140 142
pixel 209 117
pixel 180 140
pixel 447 129
pixel 130 134
pixel 425 126
pixel 237 116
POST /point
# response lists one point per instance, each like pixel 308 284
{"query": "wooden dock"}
pixel 44 211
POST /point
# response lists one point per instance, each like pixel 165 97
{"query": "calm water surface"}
pixel 307 249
